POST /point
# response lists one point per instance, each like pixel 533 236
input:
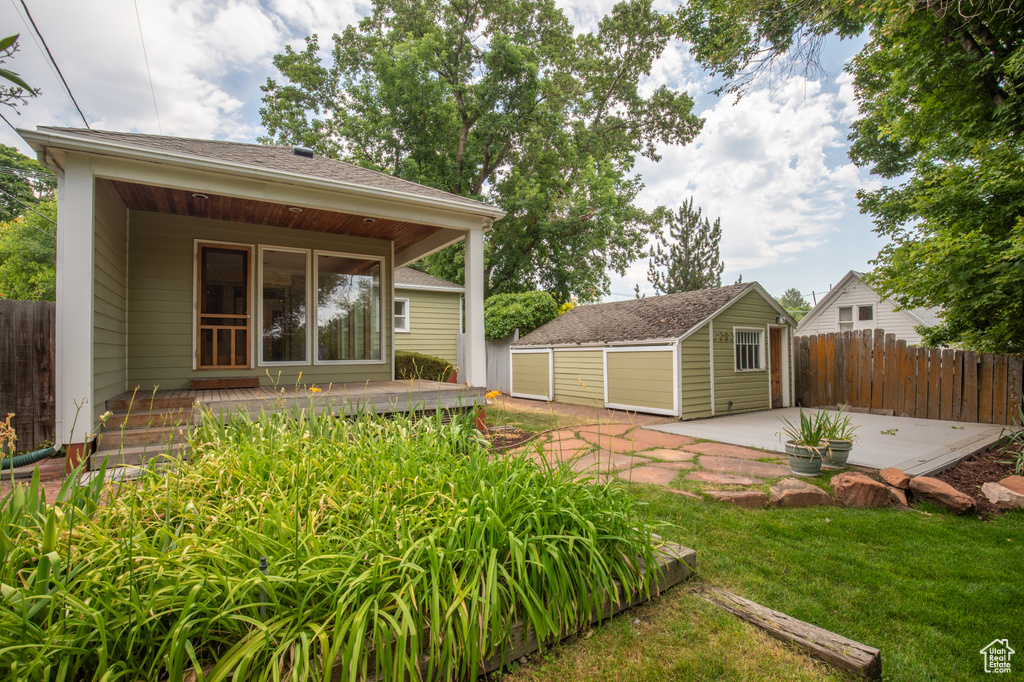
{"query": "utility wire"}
pixel 54 62
pixel 3 191
pixel 8 123
pixel 149 73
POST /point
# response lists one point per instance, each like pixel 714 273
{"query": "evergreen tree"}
pixel 688 258
pixel 794 303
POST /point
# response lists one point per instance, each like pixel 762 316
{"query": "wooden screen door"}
pixel 223 307
pixel 775 349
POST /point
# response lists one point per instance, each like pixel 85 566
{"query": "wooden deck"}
pixel 379 397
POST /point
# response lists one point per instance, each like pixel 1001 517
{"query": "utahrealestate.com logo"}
pixel 997 656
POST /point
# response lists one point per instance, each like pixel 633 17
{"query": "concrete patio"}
pixel 918 446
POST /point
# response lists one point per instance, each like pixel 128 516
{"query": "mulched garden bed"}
pixel 969 475
pixel 504 437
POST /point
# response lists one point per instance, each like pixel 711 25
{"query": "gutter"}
pixel 40 140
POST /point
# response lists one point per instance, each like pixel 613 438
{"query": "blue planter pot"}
pixel 804 461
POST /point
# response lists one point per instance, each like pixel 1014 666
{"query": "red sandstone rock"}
pixel 897 478
pixel 898 496
pixel 942 494
pixel 745 467
pixel 1014 483
pixel 854 489
pixel 1002 497
pixel 790 492
pixel 722 479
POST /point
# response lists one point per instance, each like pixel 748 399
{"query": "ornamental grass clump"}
pixel 393 547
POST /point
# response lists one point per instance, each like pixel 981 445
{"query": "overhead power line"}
pixel 149 73
pixel 53 61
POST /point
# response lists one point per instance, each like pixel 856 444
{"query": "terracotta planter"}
pixel 480 420
pixel 804 461
pixel 74 453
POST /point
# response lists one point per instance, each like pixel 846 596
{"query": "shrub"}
pixel 504 313
pixel 410 365
pixel 385 539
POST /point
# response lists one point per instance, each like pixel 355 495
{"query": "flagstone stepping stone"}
pixel 678 466
pixel 646 438
pixel 751 499
pixel 666 455
pixel 726 450
pixel 649 474
pixel 563 434
pixel 791 492
pixel 612 443
pixel 604 429
pixel 568 445
pixel 745 467
pixel 685 493
pixel 605 462
pixel 722 479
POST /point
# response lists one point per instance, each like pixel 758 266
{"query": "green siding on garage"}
pixel 748 391
pixel 642 379
pixel 435 318
pixel 160 281
pixel 695 359
pixel 531 374
pixel 574 366
pixel 110 253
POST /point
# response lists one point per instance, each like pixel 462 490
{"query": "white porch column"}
pixel 74 330
pixel 475 371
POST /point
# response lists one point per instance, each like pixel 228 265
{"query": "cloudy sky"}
pixel 773 167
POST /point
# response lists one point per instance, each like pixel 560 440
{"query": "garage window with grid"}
pixel 749 344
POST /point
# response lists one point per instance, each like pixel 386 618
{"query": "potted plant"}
pixel 839 433
pixel 807 443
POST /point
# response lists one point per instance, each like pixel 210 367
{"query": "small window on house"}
pixel 401 314
pixel 748 350
pixel 846 319
pixel 865 313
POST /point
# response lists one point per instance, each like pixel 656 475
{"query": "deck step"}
pixel 138 455
pixel 146 401
pixel 224 382
pixel 141 419
pixel 154 436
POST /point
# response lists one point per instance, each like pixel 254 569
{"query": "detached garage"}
pixel 689 355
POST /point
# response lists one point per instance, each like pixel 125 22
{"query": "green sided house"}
pixel 689 355
pixel 428 314
pixel 187 265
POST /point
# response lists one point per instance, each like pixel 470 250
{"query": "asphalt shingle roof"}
pixel 422 279
pixel 271 157
pixel 655 317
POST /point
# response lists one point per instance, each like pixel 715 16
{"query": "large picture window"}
pixel 347 308
pixel 284 281
pixel 749 345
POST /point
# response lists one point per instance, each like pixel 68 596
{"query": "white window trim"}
pixel 195 300
pixel 855 322
pixel 676 386
pixel 551 374
pixel 408 318
pixel 259 301
pixel 316 322
pixel 762 365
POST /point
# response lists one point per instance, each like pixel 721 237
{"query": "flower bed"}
pixel 383 539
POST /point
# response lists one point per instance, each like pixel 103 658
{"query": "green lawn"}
pixel 929 590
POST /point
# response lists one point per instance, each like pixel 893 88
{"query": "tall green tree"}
pixel 500 100
pixel 28 255
pixel 940 87
pixel 688 257
pixel 23 182
pixel 794 303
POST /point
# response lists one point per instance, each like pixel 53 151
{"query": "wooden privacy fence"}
pixel 873 370
pixel 27 363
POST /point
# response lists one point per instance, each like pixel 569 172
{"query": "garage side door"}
pixel 642 380
pixel 531 374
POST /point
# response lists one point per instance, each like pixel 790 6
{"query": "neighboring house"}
pixel 852 305
pixel 180 260
pixel 690 355
pixel 428 314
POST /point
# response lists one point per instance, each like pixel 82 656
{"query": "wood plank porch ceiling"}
pixel 181 202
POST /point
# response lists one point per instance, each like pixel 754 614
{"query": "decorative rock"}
pixel 790 492
pixel 1014 483
pixel 854 489
pixel 722 479
pixel 745 467
pixel 685 493
pixel 898 496
pixel 897 478
pixel 750 499
pixel 942 494
pixel 1002 497
pixel 646 438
